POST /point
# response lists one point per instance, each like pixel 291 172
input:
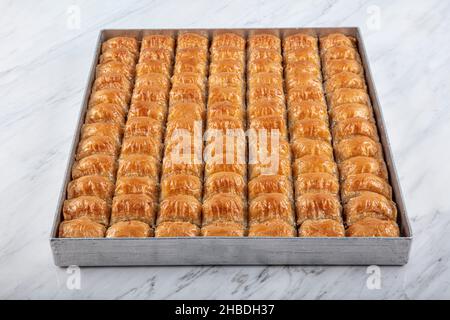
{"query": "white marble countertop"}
pixel 46 50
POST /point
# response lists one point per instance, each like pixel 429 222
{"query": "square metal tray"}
pixel 235 251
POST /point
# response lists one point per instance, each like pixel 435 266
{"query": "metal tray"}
pixel 236 251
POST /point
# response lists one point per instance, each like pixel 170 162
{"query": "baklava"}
pixel 314 169
pixel 180 204
pixel 135 203
pixel 224 135
pixel 225 185
pixel 87 210
pixel 364 185
pixel 270 187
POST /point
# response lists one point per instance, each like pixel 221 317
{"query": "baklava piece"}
pixel 94 208
pixel 180 208
pixel 369 204
pixel 224 207
pixel 223 229
pixel 129 207
pixel 272 228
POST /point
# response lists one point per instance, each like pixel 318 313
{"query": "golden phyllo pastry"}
pixel 129 43
pixel 106 113
pixel 98 186
pixel 102 129
pixel 355 184
pixel 359 165
pixel 115 67
pixel 97 145
pixel 340 52
pixel 311 128
pixel 308 109
pixel 181 184
pixel 81 228
pixel 272 55
pixel 272 228
pixel 228 39
pixel 192 40
pixel 336 39
pixel 346 95
pixel 224 182
pixel 299 41
pixel 118 55
pixel 321 228
pixel 98 164
pixel 270 206
pixel 223 229
pixel 112 81
pixel 274 166
pixel 357 146
pixel 188 165
pixel 177 229
pixel 129 207
pixel 129 229
pixel 143 126
pixel 180 208
pixel 266 107
pixel 138 165
pixel 318 206
pixel 369 204
pixel 152 110
pixel 269 184
pixel 264 41
pixel 354 127
pixel 152 80
pixel 189 110
pixel 153 66
pixel 372 227
pixel 314 164
pixel 141 145
pixel 302 147
pixel 334 67
pixel 158 41
pixel 224 207
pixel 91 207
pixel 137 185
pixel 308 53
pixel 156 54
pixel 351 110
pixel 344 80
pixel 225 109
pixel 316 183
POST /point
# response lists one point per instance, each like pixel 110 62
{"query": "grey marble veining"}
pixel 46 49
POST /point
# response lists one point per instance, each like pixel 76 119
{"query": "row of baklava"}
pixel 224 200
pixel 135 202
pixel 87 209
pixel 271 210
pixel 180 210
pixel 365 191
pixel 318 207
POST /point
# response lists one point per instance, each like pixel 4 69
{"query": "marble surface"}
pixel 46 50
